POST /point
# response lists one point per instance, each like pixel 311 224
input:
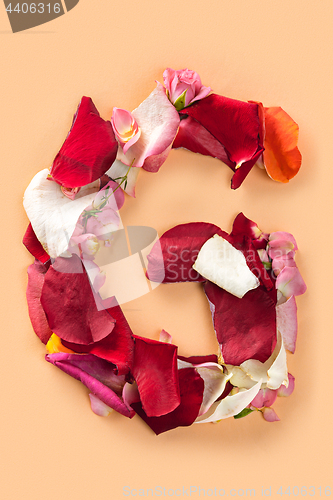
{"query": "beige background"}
pixel 276 51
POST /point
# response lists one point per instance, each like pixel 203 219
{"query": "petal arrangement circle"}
pixel 250 277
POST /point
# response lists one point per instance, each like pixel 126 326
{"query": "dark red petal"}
pixel 117 347
pixel 36 277
pixel 88 151
pixel 194 137
pixel 191 392
pixel 235 124
pixel 172 256
pixel 34 245
pixel 86 369
pixel 242 226
pixel 246 328
pixel 197 360
pixel 70 304
pixel 155 372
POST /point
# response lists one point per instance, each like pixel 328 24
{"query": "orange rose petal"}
pixel 282 158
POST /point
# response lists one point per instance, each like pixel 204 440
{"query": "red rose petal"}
pixel 246 328
pixel 88 151
pixel 70 304
pixel 194 137
pixel 172 256
pixel 155 372
pixel 117 347
pixel 191 393
pixel 235 125
pixel 198 360
pixel 36 277
pixel 34 246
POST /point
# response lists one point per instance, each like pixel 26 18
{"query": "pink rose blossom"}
pixel 184 87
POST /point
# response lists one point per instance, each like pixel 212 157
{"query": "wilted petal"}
pixel 286 391
pixel 270 415
pixel 98 407
pixel 172 257
pixel 230 405
pixel 245 328
pixel 158 121
pixel 88 151
pixel 290 282
pixel 282 158
pixel 286 322
pixel 53 216
pixel 191 388
pixel 155 372
pixel 36 278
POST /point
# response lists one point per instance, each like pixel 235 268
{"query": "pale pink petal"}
pixel 290 282
pixel 278 248
pixel 270 415
pixel 165 337
pixel 282 235
pixel 286 322
pixel 204 91
pixel 130 394
pixel 265 397
pixel 98 407
pixel 286 391
pixel 279 263
pixel 158 121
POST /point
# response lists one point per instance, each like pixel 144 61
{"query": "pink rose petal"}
pixel 284 391
pixel 265 397
pixel 286 322
pixel 76 365
pixel 270 415
pixel 158 121
pixel 290 282
pixel 98 407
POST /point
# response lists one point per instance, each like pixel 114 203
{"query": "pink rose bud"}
pixel 125 127
pixel 184 87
